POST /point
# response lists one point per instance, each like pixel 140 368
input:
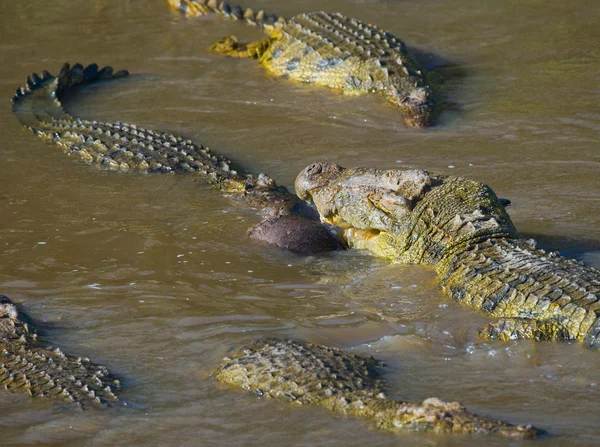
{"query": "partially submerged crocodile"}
pixel 27 366
pixel 461 228
pixel 301 372
pixel 346 383
pixel 331 50
pixel 288 223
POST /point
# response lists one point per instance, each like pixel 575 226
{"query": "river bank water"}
pixel 154 277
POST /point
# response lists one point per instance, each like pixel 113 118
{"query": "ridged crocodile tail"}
pixel 26 366
pixel 127 147
pixel 196 8
pixel 39 100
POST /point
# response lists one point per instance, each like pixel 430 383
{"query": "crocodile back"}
pixel 510 278
pixel 348 55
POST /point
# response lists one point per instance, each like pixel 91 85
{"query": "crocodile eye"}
pixel 314 169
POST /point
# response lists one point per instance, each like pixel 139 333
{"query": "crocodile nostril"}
pixel 315 168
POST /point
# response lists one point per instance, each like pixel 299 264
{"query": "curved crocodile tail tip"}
pixel 50 88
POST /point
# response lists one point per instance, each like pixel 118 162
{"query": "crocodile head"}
pixel 410 216
pixel 416 104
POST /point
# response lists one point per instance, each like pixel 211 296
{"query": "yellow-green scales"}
pixel 330 50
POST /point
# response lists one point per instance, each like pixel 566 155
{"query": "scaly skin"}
pixel 124 147
pixel 345 383
pixel 307 372
pixel 459 227
pixel 42 371
pixel 25 366
pixel 329 50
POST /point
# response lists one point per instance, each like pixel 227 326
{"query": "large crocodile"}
pixel 331 50
pixel 302 372
pixel 346 383
pixel 461 228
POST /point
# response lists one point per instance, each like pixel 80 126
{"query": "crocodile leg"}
pixel 524 328
pixel 230 46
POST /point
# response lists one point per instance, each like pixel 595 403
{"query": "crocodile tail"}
pixel 196 8
pixel 38 101
pixel 28 366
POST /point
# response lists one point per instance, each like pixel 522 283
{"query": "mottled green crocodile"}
pixel 331 50
pixel 346 383
pixel 461 228
pixel 301 372
pixel 27 366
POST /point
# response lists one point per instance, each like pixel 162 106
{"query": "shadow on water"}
pixel 446 75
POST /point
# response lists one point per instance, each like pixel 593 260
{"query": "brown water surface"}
pixel 154 277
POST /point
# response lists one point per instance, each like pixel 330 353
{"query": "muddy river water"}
pixel 154 277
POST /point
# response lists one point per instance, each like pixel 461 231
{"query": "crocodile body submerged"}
pixel 28 366
pixel 330 50
pixel 461 228
pixel 346 383
pixel 301 372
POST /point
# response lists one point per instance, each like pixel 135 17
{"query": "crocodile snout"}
pixel 315 175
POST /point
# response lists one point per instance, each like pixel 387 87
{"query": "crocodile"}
pixel 346 383
pixel 305 373
pixel 28 366
pixel 460 228
pixel 329 50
